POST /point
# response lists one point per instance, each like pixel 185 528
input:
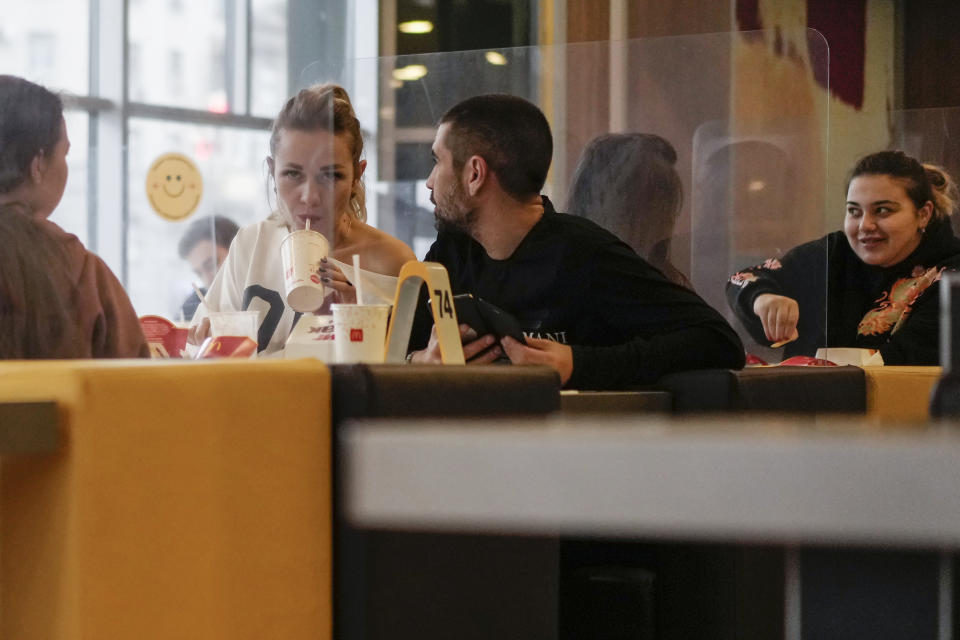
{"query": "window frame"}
pixel 110 109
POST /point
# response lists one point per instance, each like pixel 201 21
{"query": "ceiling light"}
pixel 415 26
pixel 410 72
pixel 495 58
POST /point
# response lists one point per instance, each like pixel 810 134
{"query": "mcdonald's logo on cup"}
pixel 360 332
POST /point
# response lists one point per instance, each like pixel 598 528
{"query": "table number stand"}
pixel 412 276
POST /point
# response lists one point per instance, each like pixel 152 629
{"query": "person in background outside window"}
pixel 204 246
pixel 627 183
pixel 33 175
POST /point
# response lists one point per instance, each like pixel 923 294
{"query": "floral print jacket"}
pixel 845 302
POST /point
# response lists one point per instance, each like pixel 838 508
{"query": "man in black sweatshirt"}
pixel 588 305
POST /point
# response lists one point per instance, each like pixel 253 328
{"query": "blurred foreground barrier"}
pixel 401 585
pixel 184 501
pixel 945 397
pixel 770 527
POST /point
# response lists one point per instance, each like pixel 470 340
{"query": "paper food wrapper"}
pixel 850 355
pixel 377 288
pixel 312 337
pixel 227 347
pixel 166 340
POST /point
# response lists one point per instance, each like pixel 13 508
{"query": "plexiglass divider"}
pixel 167 254
pixel 745 156
pixel 745 115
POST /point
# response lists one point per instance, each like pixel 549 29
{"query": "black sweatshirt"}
pixel 573 282
pixel 893 309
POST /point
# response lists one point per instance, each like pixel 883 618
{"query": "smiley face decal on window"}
pixel 174 186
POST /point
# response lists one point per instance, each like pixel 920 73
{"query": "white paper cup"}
pixel 234 323
pixel 360 332
pixel 302 253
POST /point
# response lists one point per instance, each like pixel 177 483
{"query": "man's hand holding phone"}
pixel 484 317
pixel 476 349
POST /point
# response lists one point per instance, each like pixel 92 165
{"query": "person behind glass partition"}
pixel 879 271
pixel 316 169
pixel 204 246
pixel 33 176
pixel 587 305
pixel 627 183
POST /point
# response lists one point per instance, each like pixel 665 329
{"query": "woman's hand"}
pixel 199 332
pixel 475 350
pixel 539 351
pixel 779 315
pixel 333 278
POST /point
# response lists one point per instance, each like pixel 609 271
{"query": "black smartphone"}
pixel 484 317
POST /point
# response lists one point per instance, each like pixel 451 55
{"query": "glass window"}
pixel 175 74
pixel 173 41
pixel 268 57
pixel 41 54
pixel 232 164
pixel 137 78
pixel 46 41
pixel 72 212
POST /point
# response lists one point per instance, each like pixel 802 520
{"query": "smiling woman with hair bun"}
pixel 881 270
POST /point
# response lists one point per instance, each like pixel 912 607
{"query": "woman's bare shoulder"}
pixel 379 251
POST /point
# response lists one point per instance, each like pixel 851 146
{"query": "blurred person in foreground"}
pixel 588 305
pixel 45 270
pixel 874 282
pixel 316 168
pixel 204 246
pixel 627 184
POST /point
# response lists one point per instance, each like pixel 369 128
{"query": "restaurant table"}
pixel 866 523
pixel 501 584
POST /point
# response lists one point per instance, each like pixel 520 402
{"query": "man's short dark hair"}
pixel 510 133
pixel 222 230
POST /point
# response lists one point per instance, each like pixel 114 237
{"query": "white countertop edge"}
pixel 712 480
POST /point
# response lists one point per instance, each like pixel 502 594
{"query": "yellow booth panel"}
pixel 900 393
pixel 188 500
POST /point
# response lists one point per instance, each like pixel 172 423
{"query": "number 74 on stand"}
pixel 413 276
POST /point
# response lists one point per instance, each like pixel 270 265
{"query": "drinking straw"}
pixel 203 298
pixel 306 224
pixel 356 278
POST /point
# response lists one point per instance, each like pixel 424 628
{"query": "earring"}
pixel 922 230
